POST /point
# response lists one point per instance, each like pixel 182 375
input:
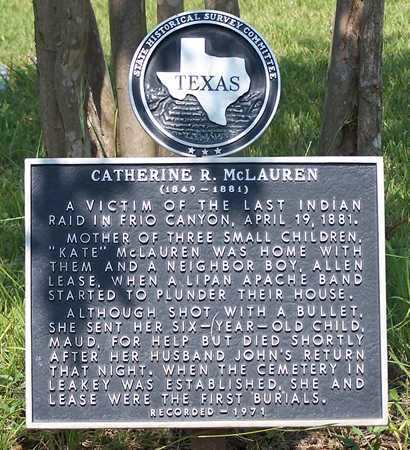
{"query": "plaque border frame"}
pixel 343 160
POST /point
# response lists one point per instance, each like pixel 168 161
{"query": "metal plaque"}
pixel 204 83
pixel 205 293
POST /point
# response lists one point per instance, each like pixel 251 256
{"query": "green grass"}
pixel 299 32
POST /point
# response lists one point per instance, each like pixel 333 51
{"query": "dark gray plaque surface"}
pixel 197 293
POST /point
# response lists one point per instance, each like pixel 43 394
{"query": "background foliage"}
pixel 299 32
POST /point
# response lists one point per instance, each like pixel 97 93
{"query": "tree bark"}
pixel 100 108
pixel 229 6
pixel 128 28
pixel 352 112
pixel 75 89
pixel 339 130
pixel 369 123
pixel 45 26
pixel 166 9
pixel 71 75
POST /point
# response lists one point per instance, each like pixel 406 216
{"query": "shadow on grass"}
pixel 20 129
pixel 19 138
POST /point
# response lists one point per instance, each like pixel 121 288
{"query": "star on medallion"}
pixel 204 152
pixel 191 150
pixel 218 151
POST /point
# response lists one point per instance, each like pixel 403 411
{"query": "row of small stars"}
pixel 205 151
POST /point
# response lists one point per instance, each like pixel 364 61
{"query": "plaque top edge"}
pixel 184 160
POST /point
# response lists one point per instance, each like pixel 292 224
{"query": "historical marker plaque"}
pixel 197 293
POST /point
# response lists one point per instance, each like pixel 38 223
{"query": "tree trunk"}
pixel 45 26
pixel 166 9
pixel 71 75
pixel 128 28
pixel 100 108
pixel 352 112
pixel 369 123
pixel 229 6
pixel 339 130
pixel 75 90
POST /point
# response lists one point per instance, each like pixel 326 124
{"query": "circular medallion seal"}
pixel 204 83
